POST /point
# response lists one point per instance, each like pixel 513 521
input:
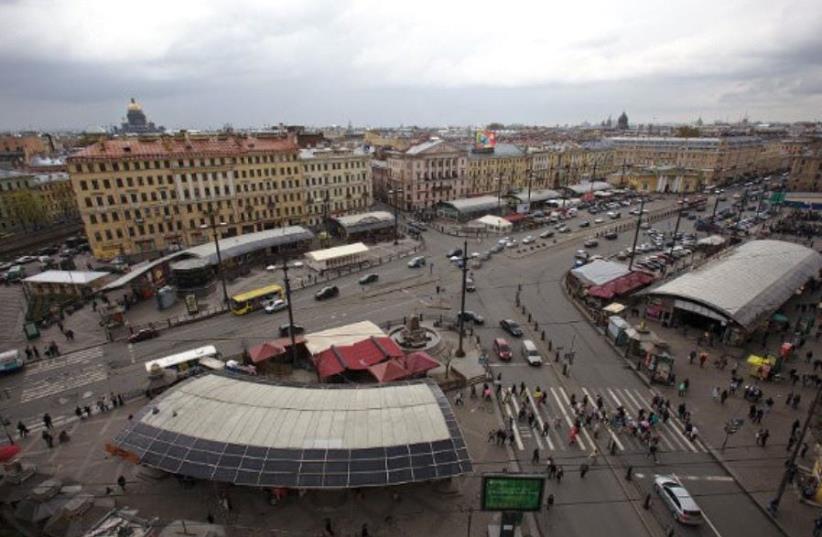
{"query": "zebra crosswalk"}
pixel 64 373
pixel 558 414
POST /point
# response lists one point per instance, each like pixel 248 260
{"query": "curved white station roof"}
pixel 747 282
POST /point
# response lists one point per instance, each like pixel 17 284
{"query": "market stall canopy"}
pixel 252 432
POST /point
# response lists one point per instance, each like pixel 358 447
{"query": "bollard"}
pixel 523 310
pixel 647 503
pixel 629 473
pixel 536 327
pixel 543 336
pixel 529 317
pixel 550 344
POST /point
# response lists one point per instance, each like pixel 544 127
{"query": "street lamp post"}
pixel 460 350
pixel 394 192
pixel 213 224
pixel 636 233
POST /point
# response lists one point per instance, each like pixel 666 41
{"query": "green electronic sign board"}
pixel 512 492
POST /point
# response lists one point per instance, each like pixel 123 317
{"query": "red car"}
pixel 502 349
pixel 142 335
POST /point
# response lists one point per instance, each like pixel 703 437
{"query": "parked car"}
pixel 564 229
pixel 584 223
pixel 417 262
pixel 142 335
pixel 678 500
pixel 502 349
pixel 469 285
pixel 511 327
pixel 327 292
pixel 528 240
pixel 286 332
pixel 531 353
pixel 455 252
pixel 24 259
pixel 369 278
pixel 546 234
pixel 470 316
pixel 591 243
pixel 612 235
pixel 273 306
pixel 598 220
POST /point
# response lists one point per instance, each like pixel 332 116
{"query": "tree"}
pixel 687 132
pixel 495 126
pixel 27 207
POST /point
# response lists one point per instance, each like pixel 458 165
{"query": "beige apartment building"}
pixel 34 200
pixel 806 169
pixel 149 194
pixel 426 174
pixel 720 159
pixel 337 182
pixel 498 170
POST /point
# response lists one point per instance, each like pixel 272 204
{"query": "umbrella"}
pixel 8 452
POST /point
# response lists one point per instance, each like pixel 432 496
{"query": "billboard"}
pixel 512 492
pixel 485 139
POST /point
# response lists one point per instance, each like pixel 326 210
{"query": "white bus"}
pixel 11 361
pixel 186 363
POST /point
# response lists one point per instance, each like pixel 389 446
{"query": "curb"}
pixel 710 449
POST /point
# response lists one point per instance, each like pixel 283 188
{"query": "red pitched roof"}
pixel 514 218
pixel 269 349
pixel 622 285
pixel 388 371
pixel 419 362
pixel 357 357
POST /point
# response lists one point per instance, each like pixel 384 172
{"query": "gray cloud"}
pixel 376 63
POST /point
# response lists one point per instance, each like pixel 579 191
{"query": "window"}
pixel 92 218
pixel 83 185
pixel 129 181
pixel 97 236
pixel 119 183
pixel 106 184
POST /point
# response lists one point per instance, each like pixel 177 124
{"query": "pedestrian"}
pixel 120 399
pixel 47 421
pixel 210 518
pixel 121 482
pixel 681 389
pixel 759 415
pixel 35 351
pixel 79 412
pixel 560 473
pixel 549 502
pixel 715 393
pixel 87 409
pixel 692 357
pixel 22 429
pixel 458 399
pixel 795 402
pixel 28 352
pixel 329 531
pixel 48 439
pixel 364 530
pixel 723 396
pixel 535 456
pixel 804 450
pixel 788 399
pixel 583 469
pixel 703 357
pixel 791 442
pixel 795 426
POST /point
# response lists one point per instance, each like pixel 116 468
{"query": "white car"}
pixel 22 260
pixel 677 499
pixel 273 306
pixel 598 220
pixel 528 240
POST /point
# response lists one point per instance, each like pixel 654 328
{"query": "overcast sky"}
pixel 204 63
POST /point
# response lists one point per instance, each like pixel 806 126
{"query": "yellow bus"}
pixel 254 300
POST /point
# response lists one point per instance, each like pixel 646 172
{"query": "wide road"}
pixel 582 506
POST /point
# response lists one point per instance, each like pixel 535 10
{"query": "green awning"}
pixel 779 318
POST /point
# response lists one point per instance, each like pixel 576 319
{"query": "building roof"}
pixel 72 277
pixel 621 286
pixel 584 188
pixel 354 223
pixel 138 270
pixel 491 220
pixel 501 150
pixel 338 359
pixel 747 283
pixel 474 205
pixel 250 242
pixel 316 342
pixel 537 195
pixel 167 146
pixel 599 272
pixel 428 145
pixel 337 251
pixel 252 432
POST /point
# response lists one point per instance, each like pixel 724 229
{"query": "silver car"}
pixel 678 500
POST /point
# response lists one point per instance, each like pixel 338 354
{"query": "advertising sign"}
pixel 512 492
pixel 486 139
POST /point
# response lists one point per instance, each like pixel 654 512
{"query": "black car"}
pixel 285 332
pixel 455 252
pixel 327 292
pixel 470 316
pixel 511 327
pixel 611 235
pixel 142 335
pixel 369 278
pixel 584 223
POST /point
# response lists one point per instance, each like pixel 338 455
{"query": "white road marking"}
pixel 539 420
pixel 568 419
pixel 52 386
pixel 607 427
pixel 517 439
pixel 677 435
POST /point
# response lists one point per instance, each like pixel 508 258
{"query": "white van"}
pixel 531 353
pixel 572 212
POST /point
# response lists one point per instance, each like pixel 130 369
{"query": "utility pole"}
pixel 5 430
pixel 290 311
pixel 676 229
pixel 220 271
pixel 636 233
pixel 395 193
pixel 741 208
pixel 716 206
pixel 773 506
pixel 460 351
pixel 530 178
